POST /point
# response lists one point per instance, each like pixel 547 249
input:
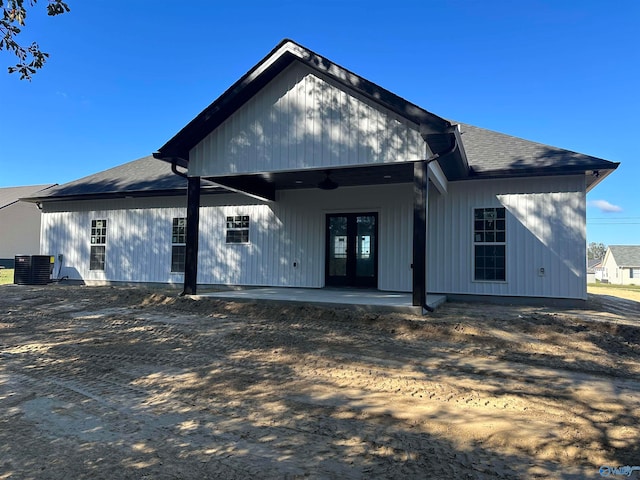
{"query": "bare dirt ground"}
pixel 124 383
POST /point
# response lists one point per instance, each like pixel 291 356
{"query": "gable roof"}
pixel 438 132
pixel 626 255
pixel 477 153
pixel 592 263
pixel 11 195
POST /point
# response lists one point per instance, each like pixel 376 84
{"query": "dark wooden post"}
pixel 420 185
pixel 193 226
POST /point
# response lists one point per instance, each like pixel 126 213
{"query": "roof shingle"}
pixel 10 195
pixel 626 255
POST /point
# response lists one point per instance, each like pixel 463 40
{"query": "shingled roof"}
pixel 143 177
pixel 11 195
pixel 492 154
pixel 626 255
pixel 480 153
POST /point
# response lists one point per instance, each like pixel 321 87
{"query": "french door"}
pixel 352 250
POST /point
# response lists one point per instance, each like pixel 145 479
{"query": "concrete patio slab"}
pixel 343 297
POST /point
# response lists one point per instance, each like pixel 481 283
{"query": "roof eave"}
pixel 602 174
pixel 546 171
pixel 174 192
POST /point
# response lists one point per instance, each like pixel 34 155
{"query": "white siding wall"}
pixel 611 272
pixel 616 274
pixel 287 231
pixel 138 247
pixel 301 120
pixel 545 228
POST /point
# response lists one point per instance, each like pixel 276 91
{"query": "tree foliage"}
pixel 14 14
pixel 596 251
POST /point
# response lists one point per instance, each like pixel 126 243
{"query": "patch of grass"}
pixel 6 276
pixel 630 292
pixel 633 288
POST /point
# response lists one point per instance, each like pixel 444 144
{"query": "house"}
pixel 594 270
pixel 304 174
pixel 621 265
pixel 19 223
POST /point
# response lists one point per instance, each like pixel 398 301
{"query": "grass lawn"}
pixel 6 276
pixel 630 292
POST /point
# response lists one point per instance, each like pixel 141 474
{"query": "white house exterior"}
pixel 19 223
pixel 304 174
pixel 594 270
pixel 621 265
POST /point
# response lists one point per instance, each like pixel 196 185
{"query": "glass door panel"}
pixel 352 257
pixel 365 246
pixel 337 257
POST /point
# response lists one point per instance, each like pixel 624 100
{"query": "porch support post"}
pixel 193 224
pixel 420 184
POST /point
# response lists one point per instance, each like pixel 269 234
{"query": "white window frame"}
pixel 98 239
pixel 479 241
pixel 237 230
pixel 178 240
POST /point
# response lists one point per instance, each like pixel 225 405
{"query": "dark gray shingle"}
pixel 626 255
pixel 143 176
pixel 490 152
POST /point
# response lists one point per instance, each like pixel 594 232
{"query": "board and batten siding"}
pixel 545 229
pixel 287 237
pixel 302 120
pixel 138 245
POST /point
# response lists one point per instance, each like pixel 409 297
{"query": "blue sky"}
pixel 125 76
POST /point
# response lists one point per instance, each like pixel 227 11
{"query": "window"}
pixel 178 244
pixel 340 247
pixel 238 229
pixel 98 244
pixel 489 244
pixel 634 273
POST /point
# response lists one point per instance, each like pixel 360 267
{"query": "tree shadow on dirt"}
pixel 132 384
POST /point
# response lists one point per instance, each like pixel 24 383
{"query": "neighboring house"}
pixel 304 174
pixel 621 264
pixel 19 223
pixel 594 270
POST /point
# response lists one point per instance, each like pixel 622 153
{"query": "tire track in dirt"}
pixel 160 387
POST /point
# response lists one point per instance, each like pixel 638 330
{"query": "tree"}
pixel 14 13
pixel 596 251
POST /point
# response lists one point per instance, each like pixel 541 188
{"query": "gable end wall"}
pixel 301 120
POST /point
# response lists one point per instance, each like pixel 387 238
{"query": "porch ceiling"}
pixel 265 184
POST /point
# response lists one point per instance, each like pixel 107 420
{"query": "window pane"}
pixel 178 230
pixel 96 259
pixel 490 262
pixel 237 229
pixel 178 255
pixel 98 231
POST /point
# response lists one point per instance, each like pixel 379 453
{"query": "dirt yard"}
pixel 118 383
